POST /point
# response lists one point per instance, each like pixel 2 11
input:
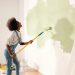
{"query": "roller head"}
pixel 50 28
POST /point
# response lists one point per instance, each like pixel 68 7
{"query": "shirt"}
pixel 14 38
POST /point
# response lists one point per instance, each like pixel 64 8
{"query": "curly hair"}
pixel 12 24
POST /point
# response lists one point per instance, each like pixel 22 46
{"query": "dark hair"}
pixel 12 24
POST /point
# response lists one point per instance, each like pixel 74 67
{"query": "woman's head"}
pixel 13 24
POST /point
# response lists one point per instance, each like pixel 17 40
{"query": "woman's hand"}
pixel 30 42
pixel 13 55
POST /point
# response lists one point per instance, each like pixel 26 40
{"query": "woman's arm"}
pixel 25 43
pixel 12 55
pixel 8 49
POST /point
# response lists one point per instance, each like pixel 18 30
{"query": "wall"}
pixel 60 14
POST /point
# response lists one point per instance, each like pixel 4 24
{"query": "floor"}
pixel 26 71
pixel 29 72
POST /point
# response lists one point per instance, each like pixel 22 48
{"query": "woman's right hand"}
pixel 13 55
pixel 30 42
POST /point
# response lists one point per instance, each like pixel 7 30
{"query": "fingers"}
pixel 30 41
pixel 13 55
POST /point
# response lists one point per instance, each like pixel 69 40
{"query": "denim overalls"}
pixel 9 60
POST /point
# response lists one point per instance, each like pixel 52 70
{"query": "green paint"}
pixel 64 30
pixel 52 13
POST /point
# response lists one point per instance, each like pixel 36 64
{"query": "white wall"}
pixel 8 8
pixel 56 63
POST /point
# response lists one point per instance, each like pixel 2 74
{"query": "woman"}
pixel 13 41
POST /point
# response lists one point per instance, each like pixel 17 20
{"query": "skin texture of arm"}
pixel 9 51
pixel 25 43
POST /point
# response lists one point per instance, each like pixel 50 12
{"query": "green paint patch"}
pixel 51 14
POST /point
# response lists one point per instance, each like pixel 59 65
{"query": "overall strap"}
pixel 18 36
